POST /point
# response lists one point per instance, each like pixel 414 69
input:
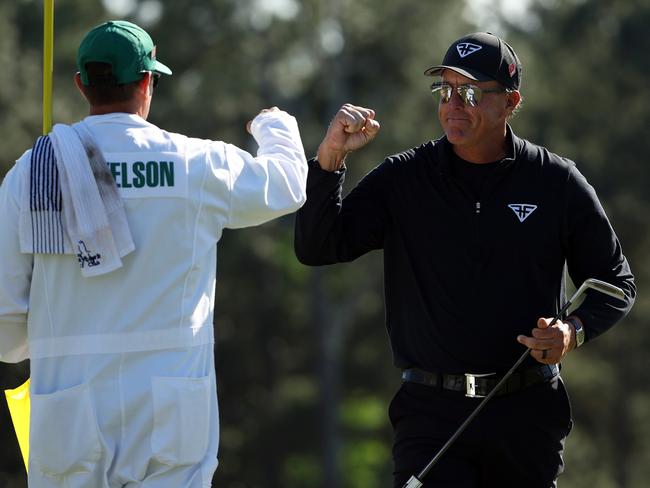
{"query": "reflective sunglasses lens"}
pixel 445 93
pixel 470 94
pixel 442 91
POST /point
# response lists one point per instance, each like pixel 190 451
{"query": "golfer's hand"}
pixel 351 128
pixel 557 341
pixel 250 122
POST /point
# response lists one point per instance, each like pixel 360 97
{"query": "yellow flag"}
pixel 18 401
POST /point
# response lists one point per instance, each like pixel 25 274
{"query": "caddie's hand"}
pixel 250 122
pixel 351 128
pixel 549 344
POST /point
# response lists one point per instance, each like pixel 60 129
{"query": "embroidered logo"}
pixel 522 210
pixel 85 257
pixel 512 67
pixel 467 48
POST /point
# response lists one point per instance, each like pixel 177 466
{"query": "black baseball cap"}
pixel 482 56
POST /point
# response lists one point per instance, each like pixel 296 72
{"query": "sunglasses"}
pixel 470 94
pixel 156 78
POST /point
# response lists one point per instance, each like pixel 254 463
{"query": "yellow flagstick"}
pixel 48 63
pixel 18 398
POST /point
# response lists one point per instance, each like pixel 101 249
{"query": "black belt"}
pixel 480 385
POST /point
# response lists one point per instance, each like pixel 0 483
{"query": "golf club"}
pixel 592 283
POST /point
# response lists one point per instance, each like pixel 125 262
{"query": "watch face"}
pixel 580 336
pixel 580 332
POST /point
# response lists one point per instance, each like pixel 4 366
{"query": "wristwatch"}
pixel 580 331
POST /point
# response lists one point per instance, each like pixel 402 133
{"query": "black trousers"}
pixel 516 441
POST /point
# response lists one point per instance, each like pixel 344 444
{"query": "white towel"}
pixel 71 205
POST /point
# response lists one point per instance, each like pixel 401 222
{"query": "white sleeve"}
pixel 274 182
pixel 15 274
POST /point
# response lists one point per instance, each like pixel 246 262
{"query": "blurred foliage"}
pixel 303 365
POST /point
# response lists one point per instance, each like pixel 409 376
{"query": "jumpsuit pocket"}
pixel 181 423
pixel 64 436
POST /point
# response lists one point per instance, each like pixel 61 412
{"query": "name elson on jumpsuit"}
pixel 140 174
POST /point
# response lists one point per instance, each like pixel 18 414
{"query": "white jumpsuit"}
pixel 123 390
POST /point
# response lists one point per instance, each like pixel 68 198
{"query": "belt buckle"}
pixel 470 384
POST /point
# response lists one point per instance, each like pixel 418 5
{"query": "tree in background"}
pixel 304 370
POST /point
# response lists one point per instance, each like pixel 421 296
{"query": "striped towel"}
pixel 71 205
pixel 45 204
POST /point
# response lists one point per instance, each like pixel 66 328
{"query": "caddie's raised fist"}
pixel 351 128
pixel 264 110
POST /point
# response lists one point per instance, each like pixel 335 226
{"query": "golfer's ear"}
pixel 513 100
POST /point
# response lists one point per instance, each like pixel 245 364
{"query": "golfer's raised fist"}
pixel 351 128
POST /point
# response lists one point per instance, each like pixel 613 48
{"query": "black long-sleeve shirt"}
pixel 465 275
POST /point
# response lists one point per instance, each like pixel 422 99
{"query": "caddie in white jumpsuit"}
pixel 123 388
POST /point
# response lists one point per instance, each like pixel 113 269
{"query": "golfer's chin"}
pixel 457 136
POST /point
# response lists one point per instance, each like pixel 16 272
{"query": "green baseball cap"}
pixel 123 45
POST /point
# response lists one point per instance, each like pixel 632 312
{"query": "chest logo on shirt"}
pixel 522 210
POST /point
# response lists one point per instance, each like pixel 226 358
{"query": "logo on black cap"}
pixel 466 48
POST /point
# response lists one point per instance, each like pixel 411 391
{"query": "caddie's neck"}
pixel 138 104
pixel 118 107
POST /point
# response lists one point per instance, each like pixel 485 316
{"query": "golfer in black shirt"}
pixel 477 228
